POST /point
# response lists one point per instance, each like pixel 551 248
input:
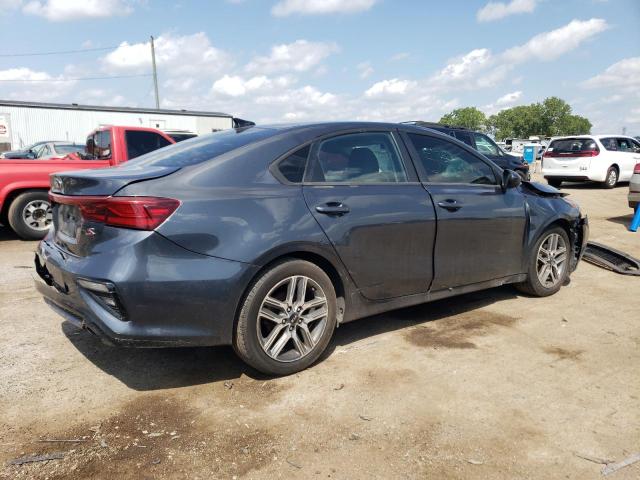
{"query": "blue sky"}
pixel 290 60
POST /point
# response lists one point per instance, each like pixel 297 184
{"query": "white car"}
pixel 601 158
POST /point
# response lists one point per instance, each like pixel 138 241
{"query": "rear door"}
pixel 369 203
pixel 480 228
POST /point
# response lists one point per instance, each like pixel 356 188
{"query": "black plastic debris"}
pixel 611 259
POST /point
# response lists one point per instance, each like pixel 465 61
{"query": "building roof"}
pixel 98 108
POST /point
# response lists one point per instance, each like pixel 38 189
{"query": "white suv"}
pixel 600 158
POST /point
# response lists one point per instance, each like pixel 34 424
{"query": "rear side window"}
pixel 140 142
pixel 609 144
pixel 102 149
pixel 573 145
pixel 444 162
pixel 292 167
pixel 370 157
pixel 485 146
pixel 204 147
pixel 465 137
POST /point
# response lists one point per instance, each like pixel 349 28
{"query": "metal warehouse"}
pixel 23 123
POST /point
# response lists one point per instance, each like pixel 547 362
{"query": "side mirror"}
pixel 510 179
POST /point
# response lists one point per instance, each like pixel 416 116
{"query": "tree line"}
pixel 549 118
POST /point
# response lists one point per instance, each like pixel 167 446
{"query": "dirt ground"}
pixel 489 385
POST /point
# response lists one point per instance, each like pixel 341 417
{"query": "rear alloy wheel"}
pixel 30 215
pixel 287 319
pixel 612 178
pixel 548 267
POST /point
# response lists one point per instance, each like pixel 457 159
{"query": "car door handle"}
pixel 333 208
pixel 450 204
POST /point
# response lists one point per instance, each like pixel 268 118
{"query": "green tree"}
pixel 468 117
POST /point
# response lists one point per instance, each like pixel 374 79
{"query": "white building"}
pixel 24 123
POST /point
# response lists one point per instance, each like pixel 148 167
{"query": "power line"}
pixel 61 52
pixel 54 80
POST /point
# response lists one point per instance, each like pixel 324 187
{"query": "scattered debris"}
pixel 614 467
pixel 293 464
pixel 365 418
pixel 228 385
pixel 245 450
pixel 474 462
pixel 37 458
pixel 354 436
pixel 339 387
pixel 154 434
pixel 103 444
pixel 156 461
pixel 564 320
pixel 611 259
pixel 591 458
pixel 61 440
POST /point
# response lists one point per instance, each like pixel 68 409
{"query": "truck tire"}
pixel 30 215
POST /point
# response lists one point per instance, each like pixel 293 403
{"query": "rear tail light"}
pixel 140 213
pixel 636 169
pixel 580 153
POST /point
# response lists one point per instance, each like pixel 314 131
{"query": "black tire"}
pixel 554 182
pixel 533 286
pixel 612 178
pixel 246 340
pixel 16 218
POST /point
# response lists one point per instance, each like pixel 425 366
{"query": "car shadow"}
pixel 7 234
pixel 622 219
pixel 146 369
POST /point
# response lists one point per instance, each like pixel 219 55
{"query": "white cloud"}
pixel 33 85
pixel 497 10
pixel 509 98
pixel 625 73
pixel 365 69
pixel 391 87
pixel 399 56
pixel 551 45
pixel 236 86
pixel 318 7
pixel 298 56
pixel 175 56
pixel 64 10
pixel 467 64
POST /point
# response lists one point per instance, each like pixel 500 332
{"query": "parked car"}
pixel 608 159
pixel 24 202
pixel 266 238
pixel 44 150
pixel 634 187
pixel 484 144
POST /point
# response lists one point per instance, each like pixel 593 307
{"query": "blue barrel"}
pixel 529 153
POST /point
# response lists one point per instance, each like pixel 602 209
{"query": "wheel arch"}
pixel 11 196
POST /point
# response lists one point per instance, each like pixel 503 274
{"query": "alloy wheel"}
pixel 612 178
pixel 552 260
pixel 37 214
pixel 292 318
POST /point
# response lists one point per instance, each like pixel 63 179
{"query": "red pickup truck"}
pixel 24 201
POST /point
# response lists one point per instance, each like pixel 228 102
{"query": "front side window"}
pixel 624 145
pixel 464 137
pixel 140 142
pixel 635 145
pixel 485 146
pixel 445 162
pixel 369 157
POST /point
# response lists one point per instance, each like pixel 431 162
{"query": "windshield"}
pixel 203 148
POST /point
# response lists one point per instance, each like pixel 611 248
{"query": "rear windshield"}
pixel 203 148
pixel 570 145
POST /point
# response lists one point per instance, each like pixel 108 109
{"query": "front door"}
pixel 379 219
pixel 480 228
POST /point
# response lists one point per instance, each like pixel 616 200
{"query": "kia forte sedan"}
pixel 268 238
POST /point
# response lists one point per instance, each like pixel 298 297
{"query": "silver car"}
pixel 634 187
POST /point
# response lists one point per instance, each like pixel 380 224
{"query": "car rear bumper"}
pixel 634 194
pixel 171 297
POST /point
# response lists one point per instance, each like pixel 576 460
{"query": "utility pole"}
pixel 155 73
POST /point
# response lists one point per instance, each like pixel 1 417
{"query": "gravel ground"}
pixel 487 385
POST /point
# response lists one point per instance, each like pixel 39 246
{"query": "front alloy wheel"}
pixel 552 260
pixel 287 318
